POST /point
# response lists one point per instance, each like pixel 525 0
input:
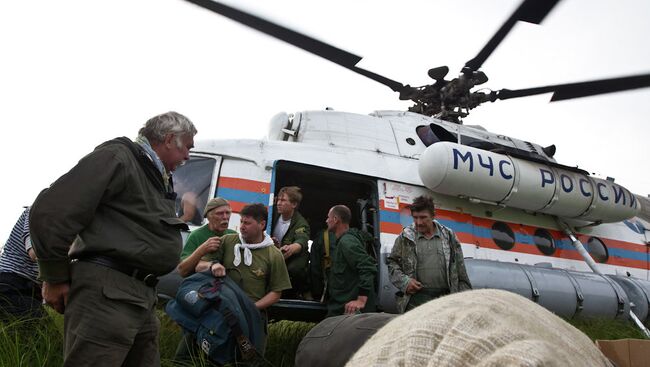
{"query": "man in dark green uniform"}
pixel 290 233
pixel 113 214
pixel 206 239
pixel 352 275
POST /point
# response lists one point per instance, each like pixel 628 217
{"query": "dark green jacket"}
pixel 297 264
pixel 352 274
pixel 298 231
pixel 112 203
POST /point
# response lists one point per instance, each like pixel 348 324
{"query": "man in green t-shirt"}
pixel 206 239
pixel 251 260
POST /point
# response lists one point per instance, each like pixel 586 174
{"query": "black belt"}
pixel 149 279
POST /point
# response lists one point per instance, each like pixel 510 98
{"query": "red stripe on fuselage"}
pixel 244 184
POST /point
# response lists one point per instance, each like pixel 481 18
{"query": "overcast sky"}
pixel 76 73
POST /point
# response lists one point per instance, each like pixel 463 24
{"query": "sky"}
pixel 74 73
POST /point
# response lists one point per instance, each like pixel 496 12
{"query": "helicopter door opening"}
pixel 322 188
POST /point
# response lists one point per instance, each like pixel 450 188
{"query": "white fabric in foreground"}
pixel 479 328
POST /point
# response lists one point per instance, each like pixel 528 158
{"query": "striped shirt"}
pixel 15 257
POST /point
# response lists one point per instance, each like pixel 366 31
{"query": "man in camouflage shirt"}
pixel 426 260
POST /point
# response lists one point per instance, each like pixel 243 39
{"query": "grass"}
pixel 31 343
pixel 34 343
pixel 607 329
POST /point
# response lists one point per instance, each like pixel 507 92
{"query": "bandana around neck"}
pixel 248 255
pixel 144 143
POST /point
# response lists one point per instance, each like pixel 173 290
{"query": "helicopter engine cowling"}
pixel 463 171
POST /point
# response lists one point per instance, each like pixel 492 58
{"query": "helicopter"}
pixel 399 187
pixel 518 231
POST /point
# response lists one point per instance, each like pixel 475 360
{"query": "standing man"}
pixel 113 216
pixel 206 239
pixel 20 291
pixel 290 232
pixel 352 274
pixel 426 261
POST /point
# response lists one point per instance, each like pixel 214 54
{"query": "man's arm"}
pixel 463 278
pixel 268 299
pixel 394 262
pixel 193 263
pixel 300 240
pixel 357 258
pixel 61 212
pixel 356 305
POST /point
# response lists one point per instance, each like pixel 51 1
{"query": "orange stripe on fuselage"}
pixel 469 238
pixel 244 184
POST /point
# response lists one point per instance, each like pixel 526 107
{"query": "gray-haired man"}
pixel 116 208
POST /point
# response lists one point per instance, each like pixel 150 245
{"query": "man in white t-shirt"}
pixel 290 233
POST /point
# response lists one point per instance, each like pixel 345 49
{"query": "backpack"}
pixel 220 315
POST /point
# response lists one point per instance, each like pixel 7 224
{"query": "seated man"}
pixel 290 233
pixel 206 239
pixel 20 291
pixel 251 260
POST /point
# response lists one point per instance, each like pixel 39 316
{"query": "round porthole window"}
pixel 597 250
pixel 544 242
pixel 503 236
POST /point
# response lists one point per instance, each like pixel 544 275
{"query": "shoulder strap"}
pixel 326 238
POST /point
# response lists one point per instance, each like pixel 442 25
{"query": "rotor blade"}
pixel 582 89
pixel 322 49
pixel 531 11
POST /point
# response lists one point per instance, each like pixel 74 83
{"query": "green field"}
pixel 40 343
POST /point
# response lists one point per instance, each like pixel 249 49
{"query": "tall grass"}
pixel 39 343
pixel 31 343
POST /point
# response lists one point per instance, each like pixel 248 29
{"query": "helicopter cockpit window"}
pixel 433 133
pixel 192 185
pixel 597 250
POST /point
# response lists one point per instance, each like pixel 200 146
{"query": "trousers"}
pixel 109 319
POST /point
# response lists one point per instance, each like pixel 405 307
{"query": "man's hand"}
pixel 289 250
pixel 210 245
pixel 218 270
pixel 276 242
pixel 413 287
pixel 355 306
pixel 56 295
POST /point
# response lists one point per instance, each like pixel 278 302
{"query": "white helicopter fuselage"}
pixel 371 163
